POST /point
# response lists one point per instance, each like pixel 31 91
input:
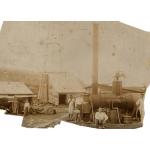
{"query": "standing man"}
pixel 77 113
pixel 140 108
pixel 15 106
pixel 71 107
pixel 26 108
pixel 77 110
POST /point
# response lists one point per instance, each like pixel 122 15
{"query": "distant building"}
pixel 55 87
pixel 108 89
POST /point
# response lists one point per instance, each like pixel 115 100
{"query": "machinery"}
pixel 118 103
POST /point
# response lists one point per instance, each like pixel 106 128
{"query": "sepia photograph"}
pixel 88 73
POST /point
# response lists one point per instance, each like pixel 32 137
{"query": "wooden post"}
pixel 95 60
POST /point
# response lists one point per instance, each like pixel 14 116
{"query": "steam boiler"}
pixel 123 102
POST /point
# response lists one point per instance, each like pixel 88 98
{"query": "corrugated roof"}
pixel 14 88
pixel 65 83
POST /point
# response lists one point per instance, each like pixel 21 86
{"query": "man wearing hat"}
pixel 100 118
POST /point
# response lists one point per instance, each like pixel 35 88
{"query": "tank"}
pixel 105 100
pixel 124 101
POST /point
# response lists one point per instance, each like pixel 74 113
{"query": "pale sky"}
pixel 62 46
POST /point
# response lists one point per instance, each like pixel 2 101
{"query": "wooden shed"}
pixel 13 95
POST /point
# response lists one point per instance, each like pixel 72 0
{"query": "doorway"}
pixel 62 99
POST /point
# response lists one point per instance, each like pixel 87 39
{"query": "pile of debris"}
pixel 46 108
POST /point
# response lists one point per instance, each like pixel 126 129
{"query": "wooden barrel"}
pixel 113 117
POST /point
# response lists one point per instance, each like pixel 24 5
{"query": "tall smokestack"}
pixel 95 60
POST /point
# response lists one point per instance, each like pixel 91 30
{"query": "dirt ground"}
pixel 110 125
pixel 43 120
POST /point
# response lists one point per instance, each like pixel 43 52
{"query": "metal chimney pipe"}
pixel 95 60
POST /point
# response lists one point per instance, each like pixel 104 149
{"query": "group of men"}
pixel 26 107
pixel 100 116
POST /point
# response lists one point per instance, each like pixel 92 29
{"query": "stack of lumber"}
pixel 43 89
